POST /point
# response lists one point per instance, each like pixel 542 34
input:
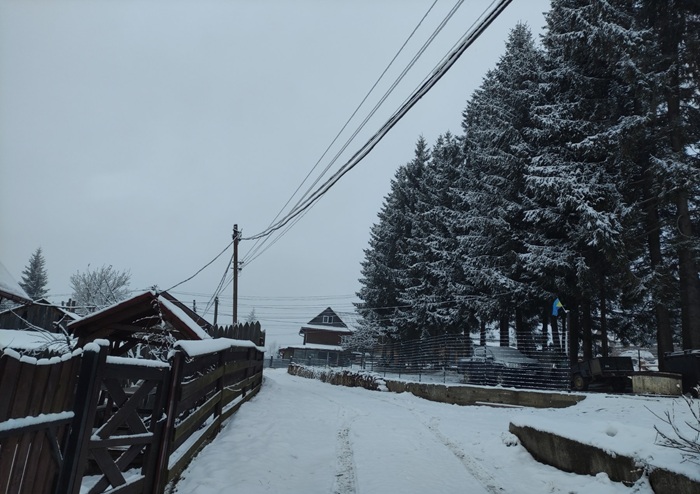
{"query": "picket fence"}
pixel 113 424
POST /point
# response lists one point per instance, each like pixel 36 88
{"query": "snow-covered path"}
pixel 304 436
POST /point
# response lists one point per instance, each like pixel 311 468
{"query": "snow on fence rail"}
pixel 127 416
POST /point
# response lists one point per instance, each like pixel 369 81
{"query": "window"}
pixel 328 319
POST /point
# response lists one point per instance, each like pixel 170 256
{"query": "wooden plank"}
pixel 9 374
pixel 228 412
pixel 40 390
pixel 51 386
pixel 187 456
pixel 127 412
pixel 200 383
pixel 41 465
pixel 64 389
pixel 109 469
pixel 23 394
pixel 126 440
pixel 122 463
pixel 7 447
pixel 134 372
pixel 21 456
pixel 132 487
pixel 24 429
pixel 191 423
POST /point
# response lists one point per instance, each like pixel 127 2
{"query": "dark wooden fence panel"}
pixel 35 412
pixel 129 414
pixel 213 386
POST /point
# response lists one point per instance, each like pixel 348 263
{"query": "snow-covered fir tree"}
pixel 388 241
pixel 431 262
pixel 34 278
pixel 494 123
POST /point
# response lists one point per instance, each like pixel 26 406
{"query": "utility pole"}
pixel 216 310
pixel 236 236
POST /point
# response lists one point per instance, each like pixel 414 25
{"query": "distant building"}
pixel 37 315
pixel 322 341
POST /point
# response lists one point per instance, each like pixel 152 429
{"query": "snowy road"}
pixel 304 436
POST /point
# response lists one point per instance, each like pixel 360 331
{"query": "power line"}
pixel 437 74
pixel 202 268
pixel 258 244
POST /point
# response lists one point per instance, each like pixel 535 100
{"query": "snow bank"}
pixel 361 379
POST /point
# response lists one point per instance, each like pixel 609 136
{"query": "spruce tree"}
pixel 34 278
pixel 579 213
pixel 496 154
pixel 431 261
pixel 383 265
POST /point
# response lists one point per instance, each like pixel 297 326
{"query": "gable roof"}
pixel 10 289
pixel 139 314
pixel 317 323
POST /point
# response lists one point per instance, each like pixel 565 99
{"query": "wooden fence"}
pixel 129 415
pixel 243 331
pixel 36 410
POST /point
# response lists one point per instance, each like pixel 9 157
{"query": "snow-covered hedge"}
pixel 344 377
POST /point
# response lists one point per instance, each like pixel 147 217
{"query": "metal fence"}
pixel 456 359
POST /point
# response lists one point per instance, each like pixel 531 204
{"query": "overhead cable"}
pixel 437 74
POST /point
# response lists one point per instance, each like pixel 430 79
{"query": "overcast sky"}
pixel 135 134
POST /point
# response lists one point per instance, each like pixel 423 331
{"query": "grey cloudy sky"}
pixel 135 134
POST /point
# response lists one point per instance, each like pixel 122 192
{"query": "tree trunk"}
pixel 688 274
pixel 556 340
pixel 603 319
pixel 586 329
pixel 482 333
pixel 504 329
pixel 574 330
pixel 521 333
pixel 673 30
pixel 664 333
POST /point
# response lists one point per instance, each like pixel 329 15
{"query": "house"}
pixel 148 323
pixel 10 289
pixel 37 315
pixel 322 340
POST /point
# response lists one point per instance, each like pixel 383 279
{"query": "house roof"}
pixel 9 288
pixel 139 314
pixel 317 323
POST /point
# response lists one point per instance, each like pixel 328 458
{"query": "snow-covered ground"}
pixel 304 436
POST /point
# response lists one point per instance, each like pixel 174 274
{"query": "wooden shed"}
pixel 153 319
pixel 39 314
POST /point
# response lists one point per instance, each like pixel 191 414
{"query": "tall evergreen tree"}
pixel 579 214
pixel 675 164
pixel 431 261
pixel 34 278
pixel 383 263
pixel 496 154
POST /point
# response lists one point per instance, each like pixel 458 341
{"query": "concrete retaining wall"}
pixel 572 456
pixel 475 395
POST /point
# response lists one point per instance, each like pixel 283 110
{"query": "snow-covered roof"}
pixel 18 339
pixel 134 315
pixel 9 288
pixel 320 327
pixel 314 346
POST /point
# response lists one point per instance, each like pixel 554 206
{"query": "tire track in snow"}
pixel 345 477
pixel 470 464
pixel 345 474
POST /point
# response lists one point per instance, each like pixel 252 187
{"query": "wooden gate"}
pixel 119 426
pixel 36 409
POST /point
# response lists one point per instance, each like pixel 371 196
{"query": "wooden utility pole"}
pixel 236 235
pixel 216 310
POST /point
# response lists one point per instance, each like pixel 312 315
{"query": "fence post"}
pixel 163 453
pixel 86 396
